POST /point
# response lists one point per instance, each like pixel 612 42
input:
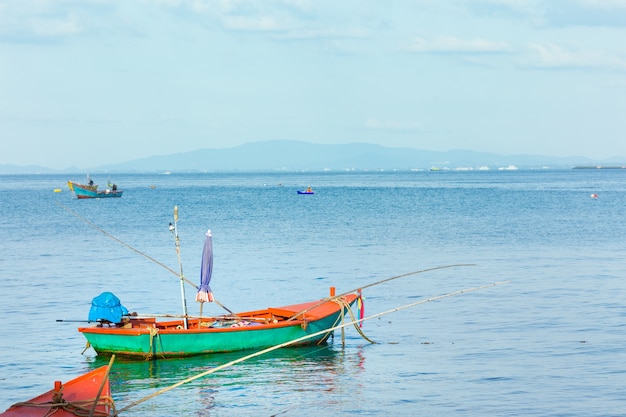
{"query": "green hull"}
pixel 150 343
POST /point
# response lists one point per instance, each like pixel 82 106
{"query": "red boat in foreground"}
pixel 87 395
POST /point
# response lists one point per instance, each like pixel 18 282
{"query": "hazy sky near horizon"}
pixel 93 82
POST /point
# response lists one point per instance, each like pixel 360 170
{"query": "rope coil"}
pixel 345 306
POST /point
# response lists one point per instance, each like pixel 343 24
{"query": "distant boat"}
pixel 91 190
pixel 86 395
pixel 309 190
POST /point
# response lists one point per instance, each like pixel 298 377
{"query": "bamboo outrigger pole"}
pixel 92 412
pixel 174 230
pixel 270 349
pixel 343 294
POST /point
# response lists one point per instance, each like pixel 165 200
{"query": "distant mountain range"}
pixel 303 156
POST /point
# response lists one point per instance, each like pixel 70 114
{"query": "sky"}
pixel 95 82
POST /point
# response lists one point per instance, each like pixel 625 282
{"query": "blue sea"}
pixel 549 342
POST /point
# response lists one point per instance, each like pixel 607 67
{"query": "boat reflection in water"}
pixel 258 385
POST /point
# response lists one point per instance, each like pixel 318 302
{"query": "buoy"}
pixel 594 195
pixel 57 190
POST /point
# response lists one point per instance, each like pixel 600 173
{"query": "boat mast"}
pixel 174 230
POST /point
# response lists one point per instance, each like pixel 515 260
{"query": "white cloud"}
pixel 604 4
pixel 59 26
pixel 531 10
pixel 30 20
pixel 393 125
pixel 553 13
pixel 552 56
pixel 516 6
pixel 454 45
pixel 213 6
pixel 253 23
pixel 170 3
pixel 328 33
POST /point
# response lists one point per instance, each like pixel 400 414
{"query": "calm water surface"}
pixel 551 342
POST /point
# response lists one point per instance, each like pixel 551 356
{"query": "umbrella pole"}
pixel 174 229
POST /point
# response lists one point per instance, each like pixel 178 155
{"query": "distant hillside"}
pixel 28 169
pixel 299 156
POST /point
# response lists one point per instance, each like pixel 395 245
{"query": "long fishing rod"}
pixel 98 228
pixel 334 297
pixel 322 301
pixel 230 311
pixel 300 339
pixel 77 321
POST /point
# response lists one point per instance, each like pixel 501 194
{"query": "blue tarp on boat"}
pixel 107 307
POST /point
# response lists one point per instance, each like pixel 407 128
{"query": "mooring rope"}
pixel 342 302
pixel 104 232
pixel 338 320
pixel 154 332
pixel 82 408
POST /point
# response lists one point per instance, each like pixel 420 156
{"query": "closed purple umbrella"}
pixel 204 292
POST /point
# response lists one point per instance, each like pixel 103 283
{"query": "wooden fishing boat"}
pixel 149 338
pixel 309 190
pixel 87 395
pixel 91 191
pixel 152 337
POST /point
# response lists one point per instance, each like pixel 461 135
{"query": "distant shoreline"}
pixel 600 167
